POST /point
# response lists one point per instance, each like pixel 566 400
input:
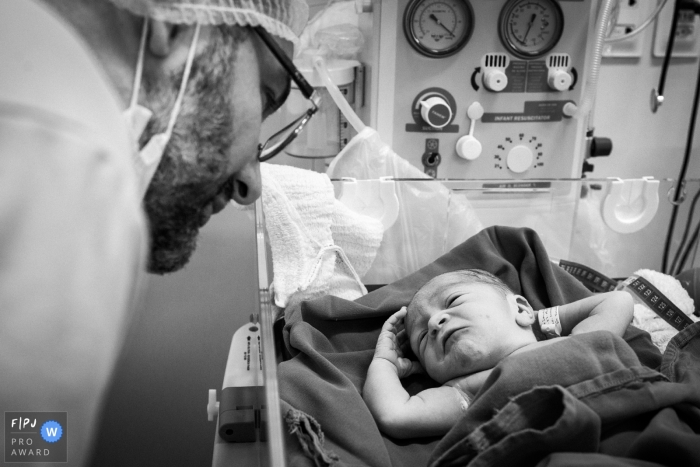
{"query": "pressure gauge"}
pixel 438 28
pixel 530 28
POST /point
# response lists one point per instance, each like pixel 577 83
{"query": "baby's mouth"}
pixel 447 341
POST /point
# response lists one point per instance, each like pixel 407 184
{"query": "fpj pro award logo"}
pixel 36 437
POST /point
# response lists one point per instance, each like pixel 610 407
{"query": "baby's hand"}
pixel 392 342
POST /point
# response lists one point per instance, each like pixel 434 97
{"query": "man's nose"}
pixel 247 186
pixel 436 322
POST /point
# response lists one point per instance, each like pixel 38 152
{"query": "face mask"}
pixel 146 160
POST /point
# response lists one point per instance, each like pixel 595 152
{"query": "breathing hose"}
pixel 592 81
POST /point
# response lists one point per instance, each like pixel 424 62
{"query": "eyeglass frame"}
pixel 304 87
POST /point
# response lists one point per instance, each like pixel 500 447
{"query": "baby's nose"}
pixel 437 322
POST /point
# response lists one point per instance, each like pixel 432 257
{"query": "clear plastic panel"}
pixel 574 218
pixel 271 429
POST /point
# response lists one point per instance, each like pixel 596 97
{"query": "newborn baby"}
pixel 460 325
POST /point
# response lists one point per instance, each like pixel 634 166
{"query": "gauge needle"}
pixel 529 26
pixel 437 20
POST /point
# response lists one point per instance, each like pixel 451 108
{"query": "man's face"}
pixel 457 328
pixel 234 84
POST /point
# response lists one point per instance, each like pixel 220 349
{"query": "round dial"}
pixel 519 158
pixel 530 28
pixel 438 28
pixel 436 112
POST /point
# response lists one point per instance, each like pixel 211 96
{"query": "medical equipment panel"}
pixel 483 88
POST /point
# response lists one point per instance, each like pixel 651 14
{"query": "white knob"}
pixel 495 80
pixel 475 111
pixel 519 159
pixel 436 112
pixel 559 80
pixel 468 147
pixel 569 109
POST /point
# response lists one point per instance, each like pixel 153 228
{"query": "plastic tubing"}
pixel 592 80
pixel 641 27
pixel 343 105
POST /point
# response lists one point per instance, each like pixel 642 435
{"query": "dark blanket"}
pixel 330 342
pixel 588 395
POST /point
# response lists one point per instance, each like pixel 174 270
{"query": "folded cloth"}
pixel 587 394
pixel 318 245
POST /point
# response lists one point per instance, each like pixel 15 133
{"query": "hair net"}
pixel 283 18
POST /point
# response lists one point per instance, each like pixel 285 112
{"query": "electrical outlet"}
pixel 686 43
pixel 629 17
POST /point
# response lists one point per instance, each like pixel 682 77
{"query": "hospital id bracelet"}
pixel 643 291
pixel 549 322
pixel 592 279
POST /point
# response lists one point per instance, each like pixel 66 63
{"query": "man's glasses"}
pixel 280 140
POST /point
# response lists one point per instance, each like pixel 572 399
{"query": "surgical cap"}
pixel 283 18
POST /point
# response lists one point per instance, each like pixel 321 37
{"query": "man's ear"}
pixel 160 38
pixel 525 316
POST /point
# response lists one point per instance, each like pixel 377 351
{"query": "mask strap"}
pixel 139 66
pixel 317 267
pixel 185 76
pixel 183 85
pixel 350 267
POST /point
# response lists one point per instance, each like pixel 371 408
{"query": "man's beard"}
pixel 196 159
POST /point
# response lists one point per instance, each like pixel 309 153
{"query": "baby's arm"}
pixel 431 412
pixel 611 311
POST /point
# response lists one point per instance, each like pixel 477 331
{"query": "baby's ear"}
pixel 525 316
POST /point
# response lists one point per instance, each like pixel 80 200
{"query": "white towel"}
pixel 359 236
pixel 302 217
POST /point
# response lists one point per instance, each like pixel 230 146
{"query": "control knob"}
pixel 436 112
pixel 495 80
pixel 519 158
pixel 468 147
pixel 559 80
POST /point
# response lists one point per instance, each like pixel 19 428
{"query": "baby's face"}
pixel 456 328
